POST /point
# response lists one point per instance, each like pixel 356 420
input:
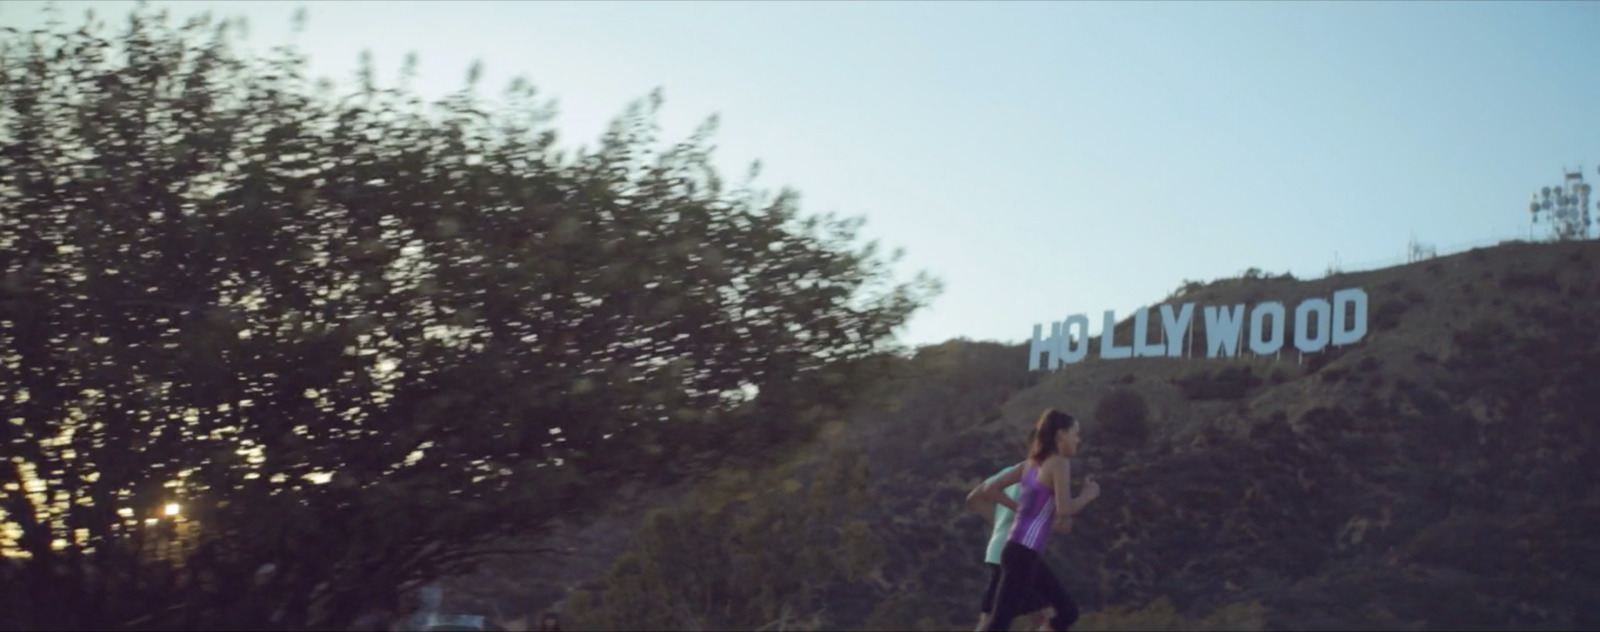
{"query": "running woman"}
pixel 1001 518
pixel 1043 504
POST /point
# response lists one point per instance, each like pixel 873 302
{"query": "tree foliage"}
pixel 356 336
pixel 751 551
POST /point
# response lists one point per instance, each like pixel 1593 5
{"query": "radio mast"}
pixel 1564 208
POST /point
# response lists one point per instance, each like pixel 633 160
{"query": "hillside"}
pixel 1438 474
pixel 1349 490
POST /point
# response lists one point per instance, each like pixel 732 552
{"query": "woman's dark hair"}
pixel 1043 441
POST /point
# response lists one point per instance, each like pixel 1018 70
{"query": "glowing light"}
pixel 172 509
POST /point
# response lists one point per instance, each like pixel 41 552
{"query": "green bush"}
pixel 1124 415
pixel 1472 544
pixel 1159 615
pixel 1480 338
pixel 1224 384
pixel 909 611
pixel 1530 281
pixel 1371 408
pixel 1317 361
pixel 1387 316
pixel 747 551
pixel 1327 422
pixel 1188 287
pixel 1275 429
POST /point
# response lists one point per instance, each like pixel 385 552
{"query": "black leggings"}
pixel 1022 571
pixel 1033 602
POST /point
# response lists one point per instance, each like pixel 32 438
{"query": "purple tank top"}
pixel 1036 508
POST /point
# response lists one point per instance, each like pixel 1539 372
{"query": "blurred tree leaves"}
pixel 359 337
pixel 731 559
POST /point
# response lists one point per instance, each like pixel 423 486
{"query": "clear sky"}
pixel 1050 158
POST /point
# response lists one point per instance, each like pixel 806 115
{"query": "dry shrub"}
pixel 1159 615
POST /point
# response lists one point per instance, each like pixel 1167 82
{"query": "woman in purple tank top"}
pixel 1044 504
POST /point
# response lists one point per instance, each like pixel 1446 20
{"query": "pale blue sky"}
pixel 1049 158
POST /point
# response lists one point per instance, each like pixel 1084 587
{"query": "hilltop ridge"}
pixel 1252 479
pixel 1437 474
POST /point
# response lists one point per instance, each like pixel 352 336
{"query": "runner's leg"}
pixel 1017 564
pixel 987 607
pixel 1045 583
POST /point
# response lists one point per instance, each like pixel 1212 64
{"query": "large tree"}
pixel 355 337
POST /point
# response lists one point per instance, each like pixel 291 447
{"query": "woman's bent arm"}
pixel 989 494
pixel 1066 505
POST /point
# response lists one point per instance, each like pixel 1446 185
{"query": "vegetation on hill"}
pixel 1437 475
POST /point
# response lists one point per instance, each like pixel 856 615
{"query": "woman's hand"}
pixel 1091 489
pixel 979 504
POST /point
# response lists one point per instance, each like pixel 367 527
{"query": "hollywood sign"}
pixel 1338 322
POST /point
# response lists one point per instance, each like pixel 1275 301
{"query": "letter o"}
pixel 1323 310
pixel 1258 344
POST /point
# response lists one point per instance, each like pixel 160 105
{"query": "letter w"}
pixel 1222 330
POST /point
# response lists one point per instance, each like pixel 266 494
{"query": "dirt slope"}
pixel 1438 474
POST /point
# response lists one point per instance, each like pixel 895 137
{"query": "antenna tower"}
pixel 1564 208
